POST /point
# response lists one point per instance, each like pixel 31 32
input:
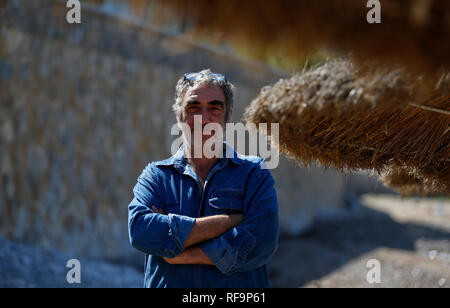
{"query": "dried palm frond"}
pixel 410 182
pixel 359 119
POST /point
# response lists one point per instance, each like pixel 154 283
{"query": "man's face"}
pixel 207 101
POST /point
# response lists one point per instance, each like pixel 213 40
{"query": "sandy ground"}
pixel 409 239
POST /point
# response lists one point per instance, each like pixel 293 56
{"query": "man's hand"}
pixel 236 219
pixel 155 210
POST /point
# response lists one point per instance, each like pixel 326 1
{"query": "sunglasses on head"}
pixel 196 76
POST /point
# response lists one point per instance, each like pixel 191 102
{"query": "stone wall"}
pixel 84 108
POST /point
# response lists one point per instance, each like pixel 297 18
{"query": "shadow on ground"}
pixel 332 244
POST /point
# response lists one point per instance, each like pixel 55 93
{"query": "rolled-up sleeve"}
pixel 251 244
pixel 154 233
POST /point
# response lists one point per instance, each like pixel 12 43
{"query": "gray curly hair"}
pixel 206 77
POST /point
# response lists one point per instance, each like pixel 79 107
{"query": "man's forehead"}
pixel 205 92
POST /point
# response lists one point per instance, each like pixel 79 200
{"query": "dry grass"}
pixel 361 119
pixel 414 34
pixel 411 182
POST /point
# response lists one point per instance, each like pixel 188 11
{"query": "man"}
pixel 204 222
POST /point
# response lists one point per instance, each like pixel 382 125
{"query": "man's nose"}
pixel 205 116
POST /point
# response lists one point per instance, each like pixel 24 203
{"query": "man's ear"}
pixel 181 116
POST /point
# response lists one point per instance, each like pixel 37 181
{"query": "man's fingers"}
pixel 236 219
pixel 155 210
pixel 168 260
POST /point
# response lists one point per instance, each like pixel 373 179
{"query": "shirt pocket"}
pixel 226 201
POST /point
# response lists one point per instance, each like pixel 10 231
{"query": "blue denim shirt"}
pixel 234 185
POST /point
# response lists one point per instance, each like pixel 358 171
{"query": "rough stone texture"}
pixel 84 108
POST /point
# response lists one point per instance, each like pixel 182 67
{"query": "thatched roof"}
pixel 414 34
pixel 408 181
pixel 354 119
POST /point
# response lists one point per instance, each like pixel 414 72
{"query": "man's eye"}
pixel 193 109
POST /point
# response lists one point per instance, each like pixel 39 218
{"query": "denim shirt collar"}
pixel 179 161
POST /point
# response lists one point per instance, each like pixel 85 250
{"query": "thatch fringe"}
pixel 360 119
pixel 407 181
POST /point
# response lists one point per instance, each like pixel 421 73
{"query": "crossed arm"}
pixel 204 228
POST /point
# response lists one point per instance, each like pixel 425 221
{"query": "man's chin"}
pixel 204 138
pixel 202 143
pixel 200 147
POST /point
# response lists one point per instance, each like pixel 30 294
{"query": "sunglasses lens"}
pixel 219 77
pixel 192 76
pixel 196 76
